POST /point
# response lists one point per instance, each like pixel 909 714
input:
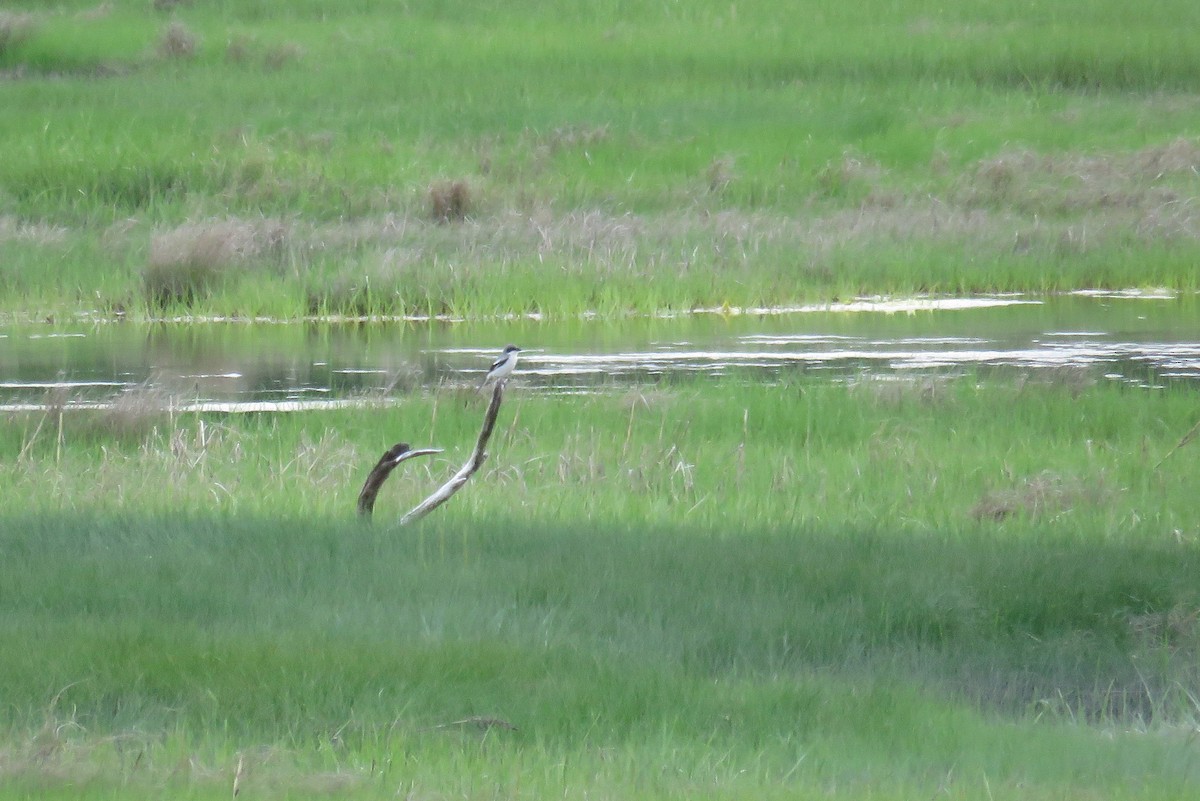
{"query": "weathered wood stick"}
pixel 402 451
pixel 1188 437
pixel 478 456
pixel 396 454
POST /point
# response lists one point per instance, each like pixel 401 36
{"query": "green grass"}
pixel 825 659
pixel 908 457
pixel 761 153
pixel 791 591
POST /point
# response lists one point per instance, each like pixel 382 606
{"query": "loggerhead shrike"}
pixel 502 368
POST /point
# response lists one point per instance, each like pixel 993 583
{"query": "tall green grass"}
pixel 803 658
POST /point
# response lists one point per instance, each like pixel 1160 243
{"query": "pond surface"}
pixel 1143 340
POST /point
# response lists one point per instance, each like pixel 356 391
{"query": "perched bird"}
pixel 502 368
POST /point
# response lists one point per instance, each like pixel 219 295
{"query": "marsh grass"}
pixel 611 264
pixel 661 646
pixel 992 153
pixel 757 588
pixel 673 454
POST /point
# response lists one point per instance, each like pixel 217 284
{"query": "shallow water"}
pixel 226 365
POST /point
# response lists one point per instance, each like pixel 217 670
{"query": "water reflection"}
pixel 285 367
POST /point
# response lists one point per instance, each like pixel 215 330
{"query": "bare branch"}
pixel 478 456
pixel 401 451
pixel 396 454
pixel 1188 437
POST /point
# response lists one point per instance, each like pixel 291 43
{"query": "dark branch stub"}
pixel 383 468
pixel 401 452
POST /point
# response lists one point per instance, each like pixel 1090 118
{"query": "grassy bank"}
pixel 289 159
pixel 908 457
pixel 789 591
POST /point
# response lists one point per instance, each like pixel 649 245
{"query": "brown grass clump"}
pixel 852 175
pixel 1045 493
pixel 13 229
pixel 237 49
pixel 178 42
pixel 1074 379
pixel 573 136
pixel 281 55
pixel 1177 628
pixel 188 262
pixel 720 174
pixel 179 283
pixel 1068 183
pixel 242 49
pixel 14 29
pixel 348 294
pixel 132 415
pixel 450 201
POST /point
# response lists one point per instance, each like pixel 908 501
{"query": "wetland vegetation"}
pixel 289 159
pixel 981 585
pixel 727 590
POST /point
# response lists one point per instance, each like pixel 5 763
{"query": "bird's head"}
pixel 511 349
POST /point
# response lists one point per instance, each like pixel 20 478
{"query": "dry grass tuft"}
pixel 15 28
pixel 1044 494
pixel 238 49
pixel 1072 183
pixel 280 56
pixel 898 391
pixel 242 49
pixel 181 283
pixel 178 42
pixel 1175 628
pixel 351 293
pixel 188 262
pixel 1179 156
pixel 329 462
pixel 572 136
pixel 851 175
pixel 450 201
pixel 720 174
pixel 134 414
pixel 1075 379
pixel 13 229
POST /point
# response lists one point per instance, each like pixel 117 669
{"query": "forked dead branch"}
pixel 401 452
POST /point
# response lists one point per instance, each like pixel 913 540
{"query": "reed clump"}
pixel 450 201
pixel 178 42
